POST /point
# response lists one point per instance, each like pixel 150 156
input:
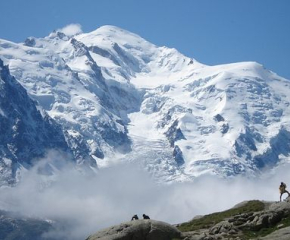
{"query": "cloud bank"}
pixel 84 203
pixel 71 29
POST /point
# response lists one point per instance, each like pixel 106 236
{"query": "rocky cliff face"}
pixel 26 134
pixel 247 220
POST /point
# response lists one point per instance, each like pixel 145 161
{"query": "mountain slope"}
pixel 227 118
pixel 248 220
pixel 25 133
pixel 13 226
pixel 120 98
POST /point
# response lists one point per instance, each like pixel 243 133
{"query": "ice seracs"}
pixel 120 98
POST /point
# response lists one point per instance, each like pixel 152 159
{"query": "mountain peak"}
pixel 117 96
pixel 110 35
pixel 112 29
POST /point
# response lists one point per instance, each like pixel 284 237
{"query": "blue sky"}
pixel 211 31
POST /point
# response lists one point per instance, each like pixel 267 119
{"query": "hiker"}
pixel 282 190
pixel 145 216
pixel 135 217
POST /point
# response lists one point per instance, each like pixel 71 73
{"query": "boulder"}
pixel 281 234
pixel 138 230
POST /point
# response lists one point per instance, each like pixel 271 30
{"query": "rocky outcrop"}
pixel 243 223
pixel 138 230
pixel 281 234
pixel 248 220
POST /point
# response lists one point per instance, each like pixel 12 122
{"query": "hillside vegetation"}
pixel 249 220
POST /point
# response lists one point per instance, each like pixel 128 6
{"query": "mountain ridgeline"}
pixel 111 95
pixel 26 134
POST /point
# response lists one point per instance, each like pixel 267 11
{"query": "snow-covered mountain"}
pixel 118 97
pixel 26 134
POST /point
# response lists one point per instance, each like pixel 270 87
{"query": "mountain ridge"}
pixel 110 88
pixel 26 133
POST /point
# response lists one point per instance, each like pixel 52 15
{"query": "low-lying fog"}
pixel 85 203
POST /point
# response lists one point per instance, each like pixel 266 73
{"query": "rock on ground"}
pixel 281 234
pixel 138 230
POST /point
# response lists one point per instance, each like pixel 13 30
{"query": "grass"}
pixel 210 220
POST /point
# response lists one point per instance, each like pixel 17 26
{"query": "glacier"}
pixel 119 98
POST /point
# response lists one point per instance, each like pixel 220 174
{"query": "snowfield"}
pixel 118 97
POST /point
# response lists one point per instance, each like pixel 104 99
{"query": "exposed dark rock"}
pixel 30 42
pixel 178 156
pixel 174 133
pixel 61 35
pixel 224 128
pixel 104 53
pixel 279 145
pixel 131 63
pixel 115 138
pixel 26 134
pixel 218 118
pixel 245 142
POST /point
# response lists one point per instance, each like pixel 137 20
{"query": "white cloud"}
pixel 86 203
pixel 71 29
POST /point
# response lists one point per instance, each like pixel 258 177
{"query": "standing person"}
pixel 282 189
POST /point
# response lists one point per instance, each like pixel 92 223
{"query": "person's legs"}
pixel 285 191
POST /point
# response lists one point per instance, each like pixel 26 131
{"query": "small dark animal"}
pixel 145 216
pixel 135 217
